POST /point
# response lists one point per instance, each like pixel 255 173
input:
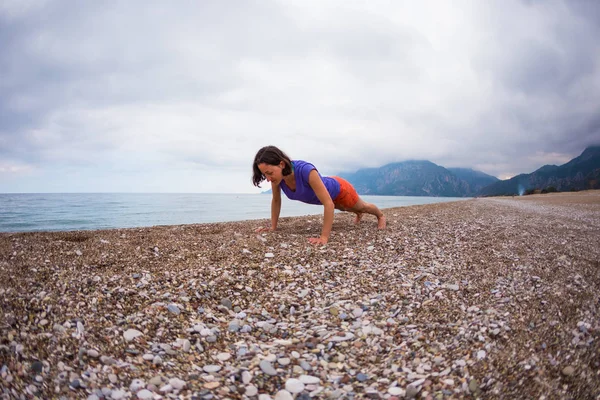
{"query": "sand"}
pixel 489 298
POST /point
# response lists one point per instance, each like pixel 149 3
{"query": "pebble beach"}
pixel 493 298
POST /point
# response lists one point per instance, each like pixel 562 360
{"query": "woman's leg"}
pixel 358 214
pixel 349 200
pixel 363 207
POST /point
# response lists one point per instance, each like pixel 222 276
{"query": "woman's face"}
pixel 273 173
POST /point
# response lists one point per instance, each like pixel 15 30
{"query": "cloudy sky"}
pixel 156 96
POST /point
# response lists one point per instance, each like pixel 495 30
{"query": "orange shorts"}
pixel 347 197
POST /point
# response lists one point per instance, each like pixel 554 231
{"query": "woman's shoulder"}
pixel 302 164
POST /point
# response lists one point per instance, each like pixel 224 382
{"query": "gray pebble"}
pixel 474 386
pixel 107 360
pixel 37 367
pixel 174 309
pixel 411 391
pixel 361 377
pixel 145 394
pixel 137 384
pixel 156 381
pixel 227 303
pixel 211 368
pixel 305 365
pixel 117 394
pixel 234 326
pixel 267 368
pixel 568 371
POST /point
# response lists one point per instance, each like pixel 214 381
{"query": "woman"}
pixel 301 181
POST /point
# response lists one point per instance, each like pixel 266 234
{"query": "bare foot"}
pixel 381 222
pixel 358 218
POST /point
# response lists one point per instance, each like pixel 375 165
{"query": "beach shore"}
pixel 489 298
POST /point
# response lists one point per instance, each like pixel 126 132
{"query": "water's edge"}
pixel 87 211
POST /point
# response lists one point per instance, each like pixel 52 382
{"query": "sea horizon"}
pixel 33 212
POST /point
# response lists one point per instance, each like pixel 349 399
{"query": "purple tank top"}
pixel 304 192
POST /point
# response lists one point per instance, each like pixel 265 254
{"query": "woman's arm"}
pixel 275 205
pixel 315 182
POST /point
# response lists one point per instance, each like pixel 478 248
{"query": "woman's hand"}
pixel 318 240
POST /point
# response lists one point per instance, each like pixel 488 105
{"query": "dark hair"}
pixel 273 156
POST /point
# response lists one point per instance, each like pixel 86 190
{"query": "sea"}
pixel 29 212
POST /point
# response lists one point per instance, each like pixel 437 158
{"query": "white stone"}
pixel 93 353
pixel 309 379
pixel 166 389
pixel 211 368
pixel 396 391
pixel 117 394
pixel 145 394
pixel 246 377
pixel 283 361
pixel 131 334
pixel 283 395
pixel 347 336
pixel 223 356
pixel 293 385
pixel 137 384
pixel 251 390
pixel 177 383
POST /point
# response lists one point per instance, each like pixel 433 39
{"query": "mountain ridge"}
pixel 418 178
pixel 582 172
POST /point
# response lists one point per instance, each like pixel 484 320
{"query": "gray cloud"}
pixel 163 91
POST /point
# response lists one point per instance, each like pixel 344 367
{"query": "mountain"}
pixel 477 180
pixel 417 178
pixel 580 173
